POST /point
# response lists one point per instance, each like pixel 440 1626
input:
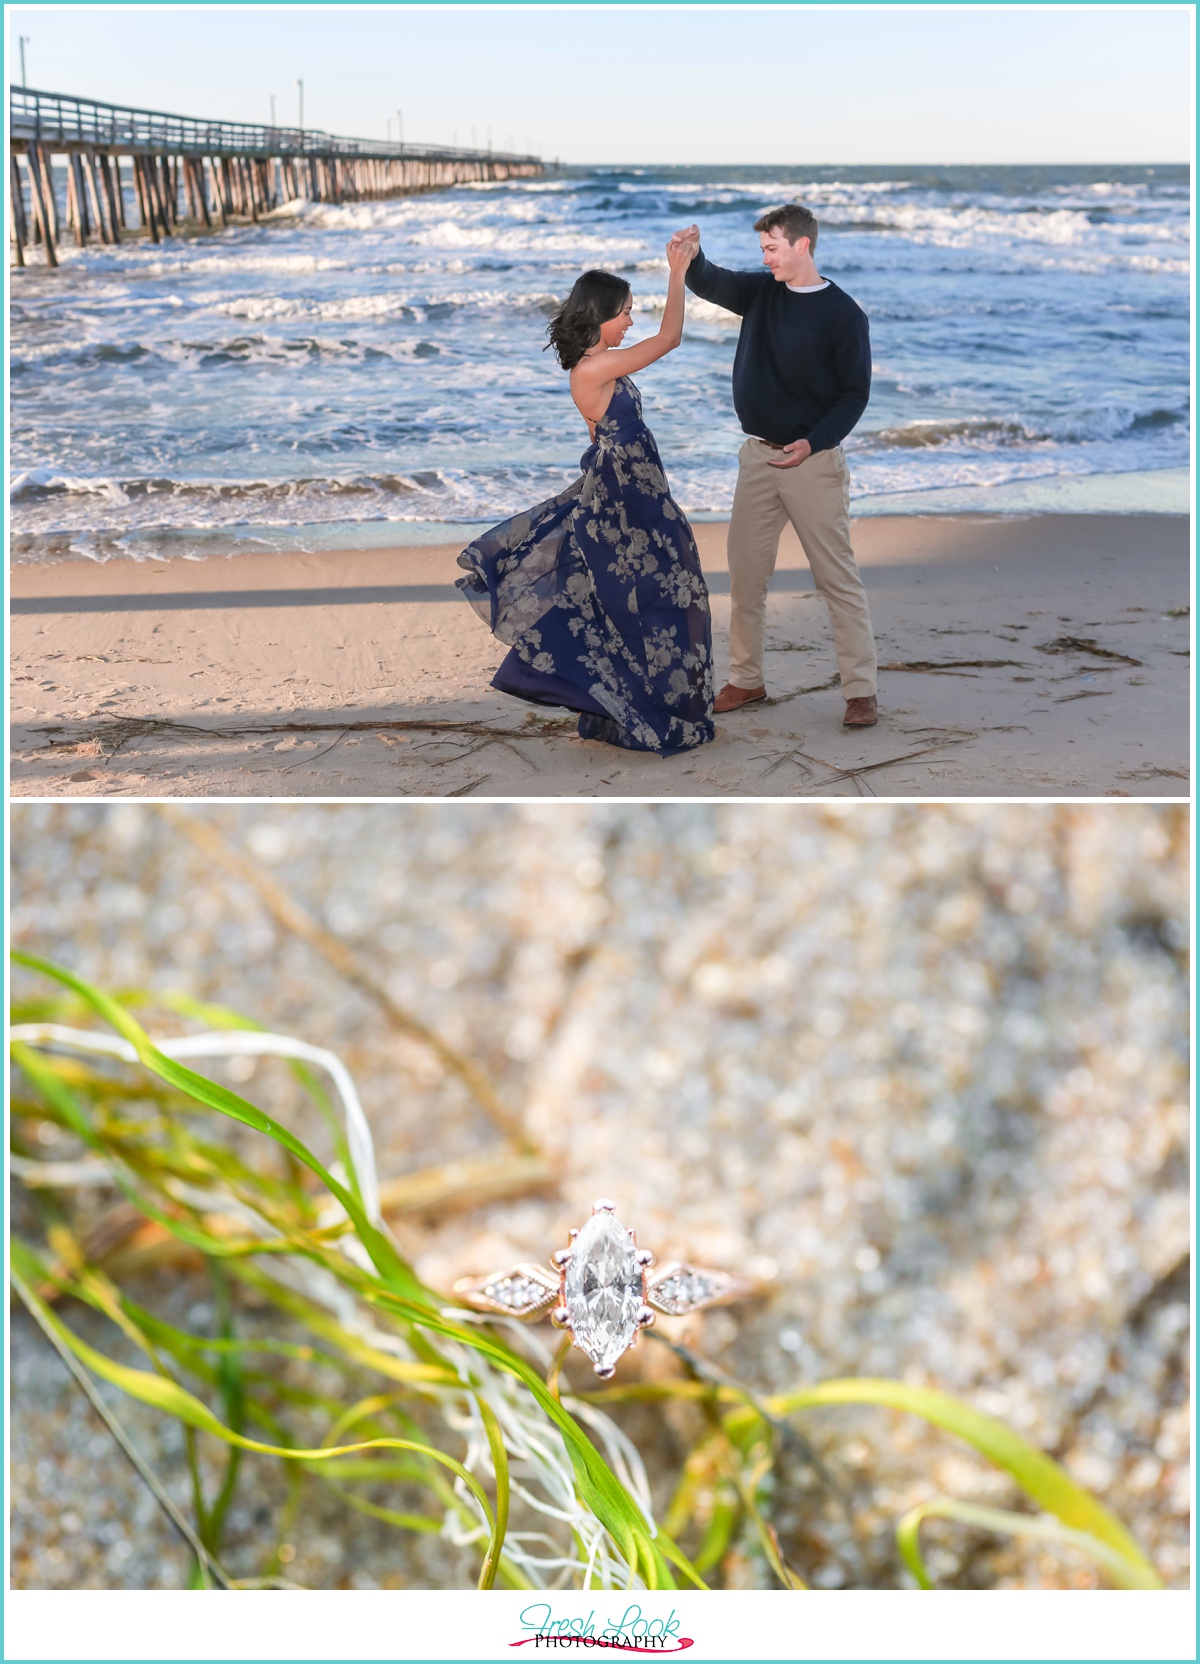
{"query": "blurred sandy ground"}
pixel 925 1067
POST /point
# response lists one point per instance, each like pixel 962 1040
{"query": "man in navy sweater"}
pixel 801 380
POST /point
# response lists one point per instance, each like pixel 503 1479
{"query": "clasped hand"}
pixel 793 455
pixel 683 248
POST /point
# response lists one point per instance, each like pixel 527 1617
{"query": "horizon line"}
pixel 1106 163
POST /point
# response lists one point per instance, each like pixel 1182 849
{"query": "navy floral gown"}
pixel 599 594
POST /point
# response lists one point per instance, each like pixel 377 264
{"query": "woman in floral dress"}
pixel 598 591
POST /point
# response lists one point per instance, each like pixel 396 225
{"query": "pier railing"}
pixel 224 169
pixel 61 121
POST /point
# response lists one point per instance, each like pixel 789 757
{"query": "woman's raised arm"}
pixel 597 369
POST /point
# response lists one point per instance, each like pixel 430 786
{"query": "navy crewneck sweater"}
pixel 803 363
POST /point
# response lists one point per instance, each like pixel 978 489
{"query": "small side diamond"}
pixel 519 1294
pixel 682 1290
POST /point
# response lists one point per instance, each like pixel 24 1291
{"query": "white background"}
pixel 419 1624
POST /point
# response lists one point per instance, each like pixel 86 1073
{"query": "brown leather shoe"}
pixel 732 699
pixel 861 713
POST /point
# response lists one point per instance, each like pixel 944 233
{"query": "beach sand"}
pixel 1025 657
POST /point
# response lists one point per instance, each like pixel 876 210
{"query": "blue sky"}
pixel 739 84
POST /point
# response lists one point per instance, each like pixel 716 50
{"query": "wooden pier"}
pixel 185 174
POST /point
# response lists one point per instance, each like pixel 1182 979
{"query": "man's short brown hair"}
pixel 794 220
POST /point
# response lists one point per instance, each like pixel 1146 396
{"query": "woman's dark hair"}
pixel 596 297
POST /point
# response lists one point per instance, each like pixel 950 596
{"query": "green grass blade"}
pixel 1124 1572
pixel 233 1403
pixel 487 1575
pixel 222 1016
pixel 672 1552
pixel 341 1340
pixel 214 1096
pixel 718 1534
pixel 391 1516
pixel 51 1086
pixel 127 1447
pixel 1038 1475
pixel 164 1394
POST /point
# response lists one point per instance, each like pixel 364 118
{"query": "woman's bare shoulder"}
pixel 593 369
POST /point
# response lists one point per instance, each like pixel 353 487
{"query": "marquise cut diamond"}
pixel 603 1290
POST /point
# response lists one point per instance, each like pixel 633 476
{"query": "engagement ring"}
pixel 603 1290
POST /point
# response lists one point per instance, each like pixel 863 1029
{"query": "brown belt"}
pixel 770 442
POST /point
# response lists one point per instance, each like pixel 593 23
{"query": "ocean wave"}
pixel 176 257
pixel 976 430
pixel 1155 263
pixel 386 214
pixel 970 225
pixel 420 306
pixel 452 234
pixel 40 484
pixel 44 357
pixel 534 187
pixel 991 433
pixel 60 503
pixel 697 310
pixel 232 350
pixel 191 262
pixel 462 205
pixel 36 484
pixel 772 190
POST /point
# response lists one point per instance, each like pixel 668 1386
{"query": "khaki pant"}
pixel 815 497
